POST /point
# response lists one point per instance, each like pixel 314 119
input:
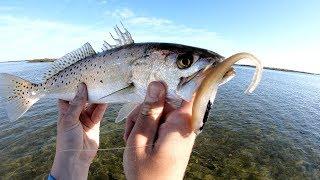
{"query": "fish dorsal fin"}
pixel 65 61
pixel 124 38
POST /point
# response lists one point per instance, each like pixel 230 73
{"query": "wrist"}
pixel 69 167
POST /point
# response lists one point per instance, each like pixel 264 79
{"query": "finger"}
pixel 98 113
pixel 168 108
pixel 177 128
pixel 131 120
pixel 91 108
pixel 79 102
pixel 186 106
pixel 63 106
pixel 90 120
pixel 146 126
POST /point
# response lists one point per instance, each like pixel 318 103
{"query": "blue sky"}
pixel 282 34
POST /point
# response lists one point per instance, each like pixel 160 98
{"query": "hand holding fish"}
pixel 77 136
pixel 158 137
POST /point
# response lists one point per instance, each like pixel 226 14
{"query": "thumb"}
pixel 147 122
pixel 78 103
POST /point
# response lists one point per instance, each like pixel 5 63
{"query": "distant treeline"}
pixel 279 69
pixel 41 60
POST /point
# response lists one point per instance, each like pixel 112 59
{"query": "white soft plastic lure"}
pixel 212 79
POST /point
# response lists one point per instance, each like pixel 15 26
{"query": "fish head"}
pixel 181 67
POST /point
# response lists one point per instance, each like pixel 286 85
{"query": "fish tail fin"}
pixel 18 94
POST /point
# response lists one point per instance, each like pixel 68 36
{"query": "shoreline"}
pixel 31 60
pixel 41 60
pixel 278 69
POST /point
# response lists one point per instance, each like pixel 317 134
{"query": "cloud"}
pixel 149 21
pixel 103 1
pixel 25 38
pixel 129 16
pixel 7 8
pixel 148 28
pixel 123 13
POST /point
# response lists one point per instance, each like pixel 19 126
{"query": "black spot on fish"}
pixel 101 81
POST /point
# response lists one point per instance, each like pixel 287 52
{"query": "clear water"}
pixel 272 133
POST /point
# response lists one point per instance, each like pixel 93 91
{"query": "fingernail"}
pixel 155 91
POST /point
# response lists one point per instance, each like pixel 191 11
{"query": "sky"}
pixel 283 34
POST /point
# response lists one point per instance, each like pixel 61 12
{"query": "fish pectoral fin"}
pixel 124 95
pixel 125 111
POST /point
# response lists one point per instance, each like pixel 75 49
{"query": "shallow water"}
pixel 272 133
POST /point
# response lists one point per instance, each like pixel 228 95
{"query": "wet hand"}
pixel 77 136
pixel 159 138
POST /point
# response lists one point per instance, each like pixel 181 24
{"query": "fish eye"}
pixel 184 61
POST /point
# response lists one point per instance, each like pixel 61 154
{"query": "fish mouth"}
pixel 197 76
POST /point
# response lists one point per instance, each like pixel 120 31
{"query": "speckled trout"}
pixel 120 73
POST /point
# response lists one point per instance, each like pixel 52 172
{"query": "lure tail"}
pixel 19 95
